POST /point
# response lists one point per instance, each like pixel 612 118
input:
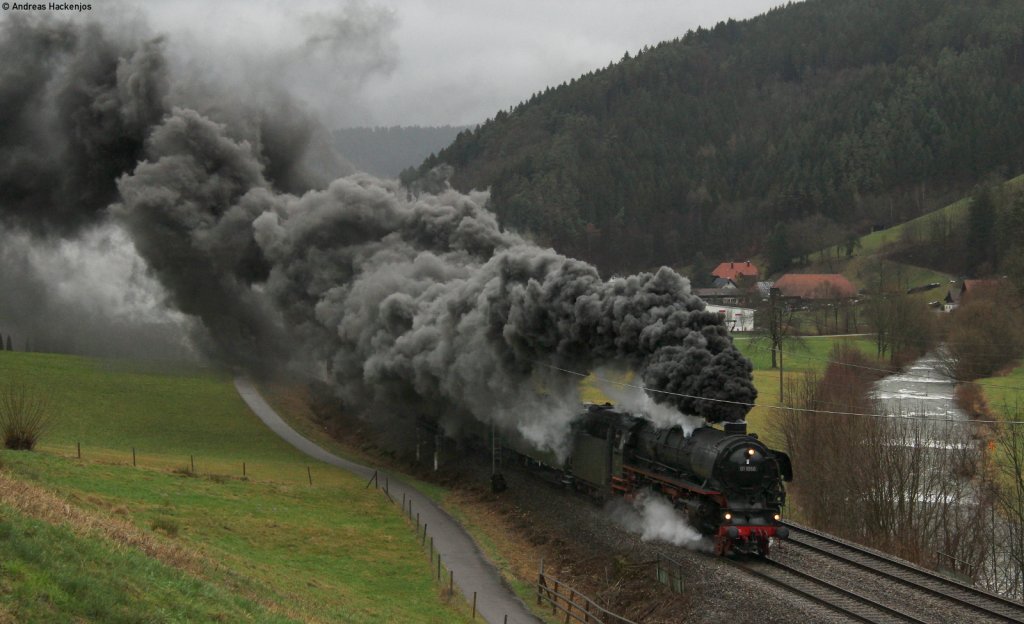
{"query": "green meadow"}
pixel 267 547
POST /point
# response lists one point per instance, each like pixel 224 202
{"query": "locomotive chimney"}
pixel 736 428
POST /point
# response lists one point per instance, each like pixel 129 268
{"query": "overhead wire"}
pixel 779 407
pixel 891 372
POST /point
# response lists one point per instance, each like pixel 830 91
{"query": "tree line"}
pixel 827 116
pixel 941 494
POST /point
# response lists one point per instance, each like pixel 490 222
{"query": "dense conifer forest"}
pixel 796 129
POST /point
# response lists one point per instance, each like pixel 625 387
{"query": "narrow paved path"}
pixel 473 573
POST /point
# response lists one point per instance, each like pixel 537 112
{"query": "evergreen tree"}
pixel 779 251
pixel 911 103
pixel 981 221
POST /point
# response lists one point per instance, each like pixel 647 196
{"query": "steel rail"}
pixel 970 597
pixel 870 609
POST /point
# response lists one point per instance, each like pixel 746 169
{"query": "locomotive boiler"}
pixel 727 483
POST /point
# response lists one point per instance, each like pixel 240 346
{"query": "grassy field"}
pixel 268 548
pixel 1005 393
pixel 515 559
pixel 862 269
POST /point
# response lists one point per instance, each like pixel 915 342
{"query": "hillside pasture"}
pixel 274 547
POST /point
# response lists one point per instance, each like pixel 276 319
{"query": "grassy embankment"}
pixel 862 268
pixel 516 559
pixel 1004 394
pixel 100 540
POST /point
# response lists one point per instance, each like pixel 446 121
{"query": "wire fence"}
pixel 574 605
pixel 441 574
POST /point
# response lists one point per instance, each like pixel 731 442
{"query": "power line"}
pixel 780 407
pixel 891 372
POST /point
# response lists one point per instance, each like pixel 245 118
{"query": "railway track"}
pixel 965 596
pixel 843 601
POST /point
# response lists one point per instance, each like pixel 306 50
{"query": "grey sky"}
pixel 423 62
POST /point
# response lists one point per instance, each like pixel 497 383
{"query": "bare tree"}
pixel 24 416
pixel 902 484
pixel 778 323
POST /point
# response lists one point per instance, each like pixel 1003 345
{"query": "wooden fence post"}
pixel 451 582
pixel 474 605
pixel 310 475
pixel 424 534
pixel 540 579
pixel 79 449
pixel 243 469
pixel 192 462
pixel 133 456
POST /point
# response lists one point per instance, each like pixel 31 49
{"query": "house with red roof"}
pixel 956 296
pixel 815 286
pixel 735 270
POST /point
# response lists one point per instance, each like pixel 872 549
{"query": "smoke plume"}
pixel 653 518
pixel 410 304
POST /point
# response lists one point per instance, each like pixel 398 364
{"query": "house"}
pixel 956 295
pixel 736 319
pixel 727 295
pixel 815 286
pixel 735 270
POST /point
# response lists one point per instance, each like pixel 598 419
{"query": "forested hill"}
pixel 828 116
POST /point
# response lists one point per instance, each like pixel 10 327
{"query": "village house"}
pixel 736 271
pixel 955 296
pixel 815 286
pixel 737 319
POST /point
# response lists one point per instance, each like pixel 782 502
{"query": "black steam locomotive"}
pixel 729 484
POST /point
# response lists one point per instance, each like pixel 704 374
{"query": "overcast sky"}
pixel 426 62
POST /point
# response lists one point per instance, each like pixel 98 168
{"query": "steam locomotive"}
pixel 728 484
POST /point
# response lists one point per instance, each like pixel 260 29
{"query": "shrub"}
pixel 24 416
pixel 165 524
pixel 985 334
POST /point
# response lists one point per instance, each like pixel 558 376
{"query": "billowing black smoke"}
pixel 75 108
pixel 407 303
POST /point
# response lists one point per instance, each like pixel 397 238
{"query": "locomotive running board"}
pixel 686 485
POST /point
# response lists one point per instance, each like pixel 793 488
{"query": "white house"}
pixel 736 319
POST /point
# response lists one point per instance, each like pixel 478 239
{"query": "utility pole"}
pixel 776 330
pixel 780 372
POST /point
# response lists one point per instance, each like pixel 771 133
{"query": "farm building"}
pixel 956 295
pixel 815 286
pixel 735 270
pixel 736 319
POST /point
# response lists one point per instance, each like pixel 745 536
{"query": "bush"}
pixel 165 524
pixel 24 417
pixel 985 334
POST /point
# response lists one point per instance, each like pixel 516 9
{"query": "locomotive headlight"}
pixel 750 452
pixel 728 516
pixel 777 517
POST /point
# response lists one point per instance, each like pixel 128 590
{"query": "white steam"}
pixel 655 519
pixel 637 401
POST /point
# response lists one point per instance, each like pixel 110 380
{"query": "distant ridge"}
pixel 802 127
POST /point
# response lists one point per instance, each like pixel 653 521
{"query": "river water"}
pixel 924 392
pixel 923 389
